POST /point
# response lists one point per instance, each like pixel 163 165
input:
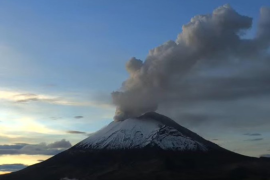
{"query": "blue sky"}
pixel 68 54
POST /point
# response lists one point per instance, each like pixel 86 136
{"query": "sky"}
pixel 60 61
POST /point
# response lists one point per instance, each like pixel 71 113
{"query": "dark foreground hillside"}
pixel 145 165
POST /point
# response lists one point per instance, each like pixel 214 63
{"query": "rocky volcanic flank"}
pixel 150 146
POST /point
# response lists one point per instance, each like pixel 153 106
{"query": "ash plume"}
pixel 212 41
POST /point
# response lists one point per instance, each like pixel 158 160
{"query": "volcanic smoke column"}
pixel 205 40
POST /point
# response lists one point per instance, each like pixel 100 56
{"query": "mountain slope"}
pixel 151 146
pixel 150 129
pixel 138 133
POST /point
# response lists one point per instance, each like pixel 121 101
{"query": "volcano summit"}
pixel 151 146
pixel 144 131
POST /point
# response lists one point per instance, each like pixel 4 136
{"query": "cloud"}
pixel 60 144
pixel 209 61
pixel 34 149
pixel 12 167
pixel 22 97
pixel 41 148
pixel 15 146
pixel 78 117
pixel 255 139
pixel 253 134
pixel 30 97
pixel 11 149
pixel 76 132
pixel 55 118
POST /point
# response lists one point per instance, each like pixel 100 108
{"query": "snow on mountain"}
pixel 135 133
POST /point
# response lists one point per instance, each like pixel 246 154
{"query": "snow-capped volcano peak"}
pixel 148 130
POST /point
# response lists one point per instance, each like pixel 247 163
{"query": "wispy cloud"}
pixel 253 134
pixel 255 139
pixel 78 117
pixel 76 132
pixel 55 118
pixel 25 97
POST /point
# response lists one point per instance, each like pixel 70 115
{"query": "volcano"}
pixel 152 147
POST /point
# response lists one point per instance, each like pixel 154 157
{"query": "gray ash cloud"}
pixel 179 71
